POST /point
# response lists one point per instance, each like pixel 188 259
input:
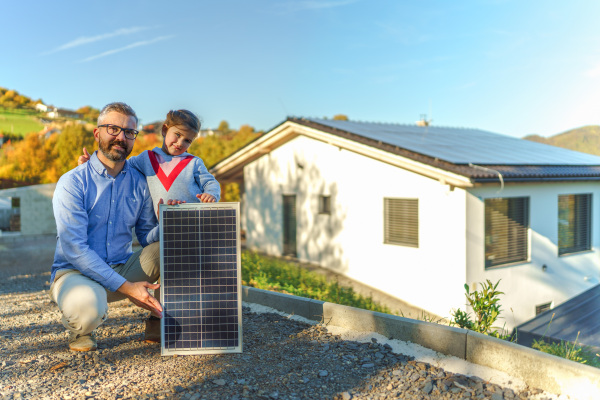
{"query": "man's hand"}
pixel 206 198
pixel 137 292
pixel 84 158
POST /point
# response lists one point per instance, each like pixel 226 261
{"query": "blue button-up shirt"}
pixel 95 214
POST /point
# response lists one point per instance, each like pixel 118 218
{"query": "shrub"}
pixel 486 307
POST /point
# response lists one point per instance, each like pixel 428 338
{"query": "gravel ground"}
pixel 283 358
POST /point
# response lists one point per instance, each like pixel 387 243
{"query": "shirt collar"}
pixel 100 168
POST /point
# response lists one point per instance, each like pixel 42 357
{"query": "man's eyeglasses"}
pixel 114 130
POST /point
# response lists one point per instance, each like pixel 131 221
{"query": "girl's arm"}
pixel 206 181
pixel 137 162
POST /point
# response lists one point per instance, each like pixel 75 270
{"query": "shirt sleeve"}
pixel 71 225
pixel 137 162
pixel 146 227
pixel 205 180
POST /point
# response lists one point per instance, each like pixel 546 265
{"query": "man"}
pixel 96 205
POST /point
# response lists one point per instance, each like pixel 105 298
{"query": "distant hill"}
pixel 585 139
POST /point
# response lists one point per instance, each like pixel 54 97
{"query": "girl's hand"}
pixel 206 198
pixel 84 158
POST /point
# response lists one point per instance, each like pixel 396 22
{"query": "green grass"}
pixel 19 122
pixel 280 276
pixel 571 351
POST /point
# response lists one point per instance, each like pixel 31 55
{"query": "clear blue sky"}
pixel 513 67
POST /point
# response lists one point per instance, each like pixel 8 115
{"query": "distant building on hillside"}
pixel 41 107
pixel 63 113
pixel 209 132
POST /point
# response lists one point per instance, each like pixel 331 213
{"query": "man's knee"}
pixel 150 260
pixel 83 307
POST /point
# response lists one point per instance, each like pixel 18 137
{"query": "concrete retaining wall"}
pixel 37 217
pixel 539 370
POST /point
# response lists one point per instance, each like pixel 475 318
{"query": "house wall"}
pixel 36 212
pixel 527 284
pixel 350 240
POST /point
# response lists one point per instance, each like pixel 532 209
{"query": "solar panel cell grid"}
pixel 200 278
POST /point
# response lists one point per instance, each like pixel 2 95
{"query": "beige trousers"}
pixel 83 302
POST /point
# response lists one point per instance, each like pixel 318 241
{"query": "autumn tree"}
pixel 70 142
pixel 88 113
pixel 212 149
pixel 340 117
pixel 12 99
pixel 144 142
pixel 224 128
pixel 29 160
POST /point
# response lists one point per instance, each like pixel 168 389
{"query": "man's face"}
pixel 115 148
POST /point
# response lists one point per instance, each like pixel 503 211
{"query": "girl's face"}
pixel 177 139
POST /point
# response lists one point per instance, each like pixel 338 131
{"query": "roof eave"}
pixel 526 179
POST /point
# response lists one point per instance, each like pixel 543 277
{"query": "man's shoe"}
pixel 82 342
pixel 152 332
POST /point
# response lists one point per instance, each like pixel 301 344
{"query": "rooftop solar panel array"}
pixel 200 278
pixel 463 145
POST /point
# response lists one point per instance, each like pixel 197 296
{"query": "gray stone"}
pixel 428 387
pixel 497 396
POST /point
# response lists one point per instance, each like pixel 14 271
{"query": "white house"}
pixel 418 211
pixel 41 107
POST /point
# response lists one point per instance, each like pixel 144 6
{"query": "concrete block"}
pixel 537 369
pixel 295 305
pixel 444 339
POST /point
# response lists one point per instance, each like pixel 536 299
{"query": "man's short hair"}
pixel 118 107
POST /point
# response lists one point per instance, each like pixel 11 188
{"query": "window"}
pixel 401 222
pixel 574 216
pixel 324 204
pixel 506 231
pixel 15 217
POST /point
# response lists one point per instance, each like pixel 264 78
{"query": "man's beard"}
pixel 107 148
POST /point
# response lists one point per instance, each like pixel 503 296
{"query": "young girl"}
pixel 170 171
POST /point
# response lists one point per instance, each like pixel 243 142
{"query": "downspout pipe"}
pixel 490 170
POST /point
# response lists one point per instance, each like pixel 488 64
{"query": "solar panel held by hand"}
pixel 200 278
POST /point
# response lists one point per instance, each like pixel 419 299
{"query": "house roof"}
pixel 574 320
pixel 458 156
pixel 461 145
